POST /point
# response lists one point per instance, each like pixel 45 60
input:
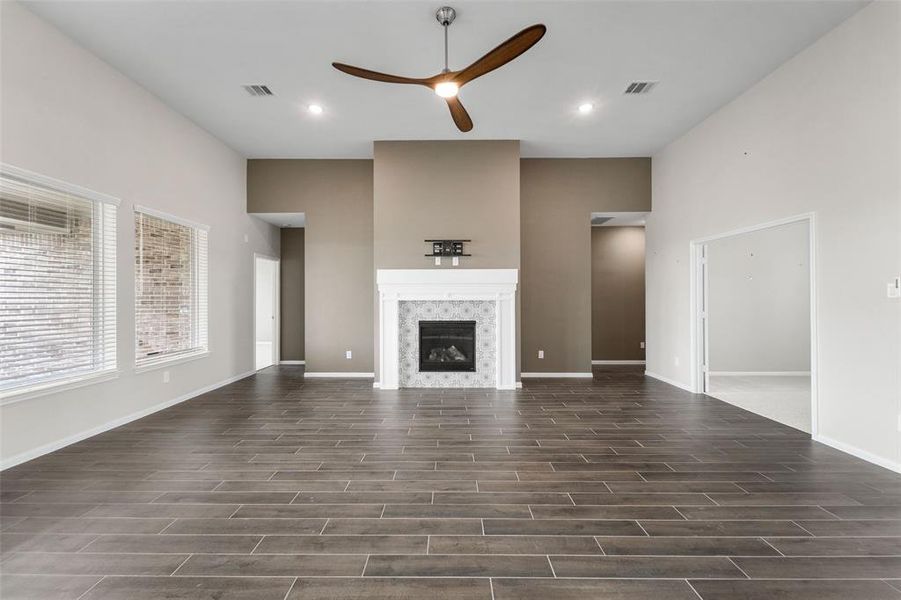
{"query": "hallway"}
pixel 621 487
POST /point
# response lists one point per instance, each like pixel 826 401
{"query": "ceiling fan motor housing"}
pixel 446 15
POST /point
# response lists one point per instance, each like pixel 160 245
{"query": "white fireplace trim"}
pixel 497 285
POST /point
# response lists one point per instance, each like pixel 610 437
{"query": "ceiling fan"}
pixel 447 83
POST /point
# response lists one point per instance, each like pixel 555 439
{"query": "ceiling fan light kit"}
pixel 447 89
pixel 447 83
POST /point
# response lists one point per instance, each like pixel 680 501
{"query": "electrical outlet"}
pixel 676 361
pixel 437 261
pixel 348 354
pixel 165 376
pixel 246 238
pixel 541 354
pixel 894 288
pixel 641 345
pixel 455 261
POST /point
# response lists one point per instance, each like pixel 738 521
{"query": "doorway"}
pixel 754 320
pixel 266 305
pixel 618 292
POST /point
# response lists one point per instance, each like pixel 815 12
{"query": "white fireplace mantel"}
pixel 398 285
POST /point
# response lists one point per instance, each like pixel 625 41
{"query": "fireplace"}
pixel 447 346
pixel 409 296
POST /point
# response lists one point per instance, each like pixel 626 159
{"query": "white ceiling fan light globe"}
pixel 447 89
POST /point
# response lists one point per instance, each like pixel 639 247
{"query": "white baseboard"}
pixel 759 373
pixel 861 454
pixel 617 362
pixel 672 382
pixel 83 435
pixel 338 375
pixel 556 375
pixel 292 362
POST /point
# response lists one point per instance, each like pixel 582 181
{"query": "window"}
pixel 170 288
pixel 57 283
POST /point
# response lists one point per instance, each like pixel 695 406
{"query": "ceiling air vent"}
pixel 640 87
pixel 258 90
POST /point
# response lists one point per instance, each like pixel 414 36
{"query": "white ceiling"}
pixel 197 55
pixel 619 219
pixel 284 220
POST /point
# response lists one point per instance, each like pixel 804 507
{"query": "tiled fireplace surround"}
pixel 407 296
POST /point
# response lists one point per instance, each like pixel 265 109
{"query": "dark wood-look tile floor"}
pixel 284 488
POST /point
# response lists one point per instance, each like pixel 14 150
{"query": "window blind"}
pixel 57 284
pixel 170 288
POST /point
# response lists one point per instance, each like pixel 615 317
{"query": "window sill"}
pixel 54 387
pixel 168 362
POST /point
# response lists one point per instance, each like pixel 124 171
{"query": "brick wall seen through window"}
pixel 170 288
pixel 57 285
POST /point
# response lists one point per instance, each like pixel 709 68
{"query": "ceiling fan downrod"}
pixel 445 16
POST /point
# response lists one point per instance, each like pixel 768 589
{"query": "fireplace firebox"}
pixel 447 346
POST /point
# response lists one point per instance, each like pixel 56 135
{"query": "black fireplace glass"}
pixel 447 346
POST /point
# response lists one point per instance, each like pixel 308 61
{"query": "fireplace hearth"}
pixel 447 346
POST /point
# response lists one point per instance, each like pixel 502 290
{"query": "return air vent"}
pixel 639 87
pixel 258 90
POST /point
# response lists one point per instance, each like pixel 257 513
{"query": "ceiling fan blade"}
pixel 461 117
pixel 503 54
pixel 376 76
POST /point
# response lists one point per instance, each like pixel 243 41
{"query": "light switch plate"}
pixel 165 376
pixel 455 261
pixel 437 261
pixel 348 354
pixel 641 345
pixel 541 354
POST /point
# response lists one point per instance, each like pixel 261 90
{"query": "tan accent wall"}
pixel 617 293
pixel 558 197
pixel 532 214
pixel 336 197
pixel 446 190
pixel 291 319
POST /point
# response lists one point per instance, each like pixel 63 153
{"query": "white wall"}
pixel 759 300
pixel 68 115
pixel 821 134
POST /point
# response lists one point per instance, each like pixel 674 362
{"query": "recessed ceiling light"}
pixel 586 108
pixel 315 109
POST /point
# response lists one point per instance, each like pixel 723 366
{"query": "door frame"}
pixel 276 332
pixel 699 298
